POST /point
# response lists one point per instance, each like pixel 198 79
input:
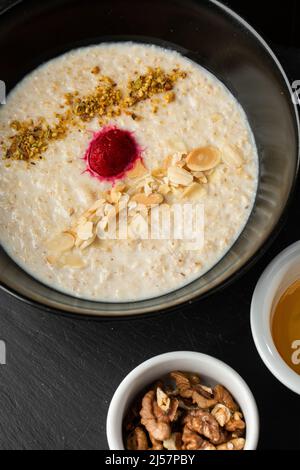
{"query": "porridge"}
pixel 119 127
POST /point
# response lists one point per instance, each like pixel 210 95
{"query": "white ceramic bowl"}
pixel 210 369
pixel 279 275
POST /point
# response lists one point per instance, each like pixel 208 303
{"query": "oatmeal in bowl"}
pixel 115 129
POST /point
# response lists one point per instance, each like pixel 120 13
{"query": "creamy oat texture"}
pixel 40 201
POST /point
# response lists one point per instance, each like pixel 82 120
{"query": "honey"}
pixel 286 327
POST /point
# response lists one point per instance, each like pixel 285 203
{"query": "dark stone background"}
pixel 61 373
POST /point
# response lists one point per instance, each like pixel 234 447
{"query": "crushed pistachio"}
pixel 155 81
pixel 104 101
pixel 170 97
pixel 31 139
pixel 95 70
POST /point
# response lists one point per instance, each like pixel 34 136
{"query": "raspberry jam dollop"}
pixel 112 153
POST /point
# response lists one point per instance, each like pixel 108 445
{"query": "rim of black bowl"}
pixel 190 299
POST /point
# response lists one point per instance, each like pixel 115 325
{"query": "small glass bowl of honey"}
pixel 275 317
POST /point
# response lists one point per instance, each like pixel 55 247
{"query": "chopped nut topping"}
pixel 159 173
pixel 168 417
pixel 194 192
pixel 32 139
pixel 180 176
pixel 72 260
pixel 147 190
pixel 154 82
pixel 170 97
pixel 61 243
pixel 95 70
pixel 104 101
pixel 203 158
pixel 138 171
pixel 85 231
pixel 152 199
pixel 232 156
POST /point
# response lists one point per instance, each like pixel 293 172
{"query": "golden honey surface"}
pixel 286 326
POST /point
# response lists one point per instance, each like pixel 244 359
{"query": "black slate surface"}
pixel 61 373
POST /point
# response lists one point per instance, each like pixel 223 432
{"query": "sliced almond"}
pixel 61 243
pixel 167 162
pixel 97 205
pixel 88 242
pixel 151 199
pixel 201 176
pixel 177 145
pixel 52 260
pixel 72 260
pixel 203 180
pixel 85 231
pixel 194 192
pixel 180 176
pixel 138 171
pixel 181 163
pixel 232 156
pixel 71 232
pixel 83 219
pixel 78 243
pixel 107 197
pixel 100 212
pixel 198 174
pixel 115 196
pixel 94 218
pixel 147 189
pixel 102 225
pixel 120 187
pixel 159 172
pixel 109 209
pixel 164 189
pixel 203 158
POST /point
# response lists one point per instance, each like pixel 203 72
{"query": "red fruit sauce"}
pixel 112 153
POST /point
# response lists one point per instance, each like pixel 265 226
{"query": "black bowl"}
pixel 212 35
